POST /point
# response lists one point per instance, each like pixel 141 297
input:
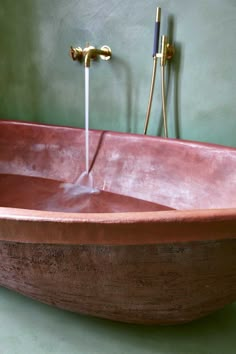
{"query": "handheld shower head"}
pixel 157 32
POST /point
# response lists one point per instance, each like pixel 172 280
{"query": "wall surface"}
pixel 39 82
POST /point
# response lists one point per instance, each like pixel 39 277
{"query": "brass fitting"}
pixel 167 51
pixel 90 53
pixel 76 53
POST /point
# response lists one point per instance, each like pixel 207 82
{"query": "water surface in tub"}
pixel 27 192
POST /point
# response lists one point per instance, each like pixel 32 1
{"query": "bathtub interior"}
pixel 40 163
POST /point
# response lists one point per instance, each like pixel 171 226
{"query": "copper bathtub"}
pixel 155 245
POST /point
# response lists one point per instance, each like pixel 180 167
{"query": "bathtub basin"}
pixel 156 245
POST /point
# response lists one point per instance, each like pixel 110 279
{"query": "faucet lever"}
pixel 76 53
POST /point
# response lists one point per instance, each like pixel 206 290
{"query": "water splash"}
pixel 74 190
pixel 85 183
pixel 82 186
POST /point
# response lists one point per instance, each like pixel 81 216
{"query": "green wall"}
pixel 39 82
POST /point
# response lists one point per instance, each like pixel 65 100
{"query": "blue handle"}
pixel 157 32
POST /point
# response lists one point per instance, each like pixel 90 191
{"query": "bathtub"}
pixel 156 245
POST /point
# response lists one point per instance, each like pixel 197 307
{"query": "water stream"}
pixel 87 120
pixel 84 184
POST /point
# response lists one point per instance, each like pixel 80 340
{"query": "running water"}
pixel 84 184
pixel 86 179
pixel 87 120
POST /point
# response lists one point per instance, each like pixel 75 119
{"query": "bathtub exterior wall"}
pixel 40 83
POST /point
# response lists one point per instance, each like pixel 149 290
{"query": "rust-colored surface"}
pixel 165 283
pixel 43 194
pixel 155 245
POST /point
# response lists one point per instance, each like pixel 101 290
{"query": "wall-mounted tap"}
pixel 90 53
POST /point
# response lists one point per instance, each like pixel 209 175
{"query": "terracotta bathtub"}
pixel 155 245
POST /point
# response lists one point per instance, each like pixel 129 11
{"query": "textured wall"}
pixel 39 82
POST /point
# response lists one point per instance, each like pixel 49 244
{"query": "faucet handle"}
pixel 76 53
pixel 105 52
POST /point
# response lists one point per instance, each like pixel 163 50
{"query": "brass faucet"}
pixel 92 53
pixel 89 53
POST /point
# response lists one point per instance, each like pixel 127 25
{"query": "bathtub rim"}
pixel 108 228
pixel 178 141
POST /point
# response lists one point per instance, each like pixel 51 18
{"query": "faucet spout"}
pixel 92 53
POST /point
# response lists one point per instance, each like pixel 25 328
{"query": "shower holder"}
pixel 170 51
pixel 167 51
